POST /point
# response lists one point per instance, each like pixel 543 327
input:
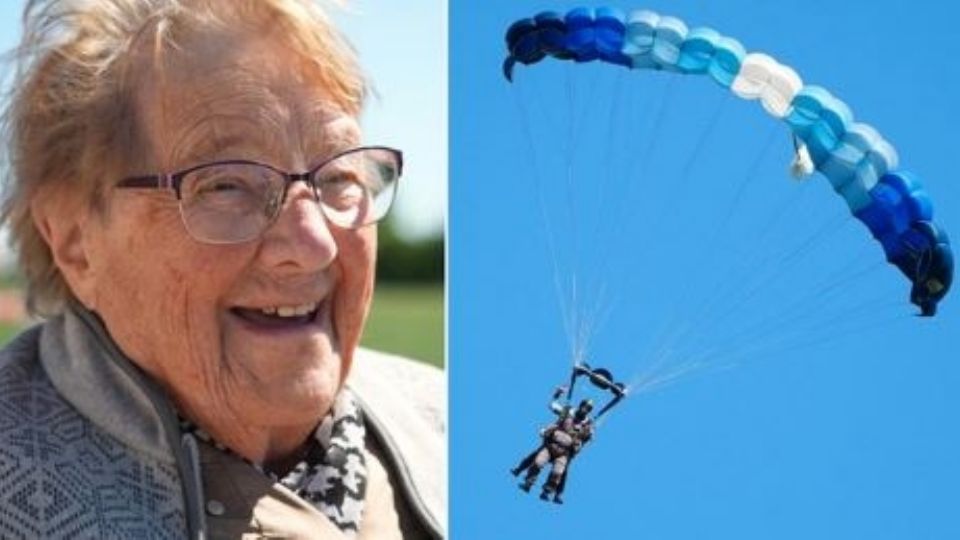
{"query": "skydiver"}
pixel 587 425
pixel 558 408
pixel 561 441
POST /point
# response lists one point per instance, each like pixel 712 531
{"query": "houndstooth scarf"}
pixel 332 475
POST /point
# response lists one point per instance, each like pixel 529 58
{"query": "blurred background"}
pixel 403 51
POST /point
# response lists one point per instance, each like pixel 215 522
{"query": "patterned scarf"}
pixel 332 475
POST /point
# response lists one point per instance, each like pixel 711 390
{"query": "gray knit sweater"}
pixel 90 446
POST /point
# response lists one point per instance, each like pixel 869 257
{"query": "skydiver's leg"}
pixel 556 473
pixel 541 458
pixel 563 484
pixel 525 462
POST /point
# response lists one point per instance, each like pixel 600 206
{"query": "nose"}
pixel 300 240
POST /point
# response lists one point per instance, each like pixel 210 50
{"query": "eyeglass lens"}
pixel 236 202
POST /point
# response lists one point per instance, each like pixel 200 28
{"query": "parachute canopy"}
pixel 858 162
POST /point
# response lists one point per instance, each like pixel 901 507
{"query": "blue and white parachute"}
pixel 861 166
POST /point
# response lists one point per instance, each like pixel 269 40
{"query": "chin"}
pixel 296 399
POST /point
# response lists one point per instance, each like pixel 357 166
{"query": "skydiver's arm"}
pixel 588 433
pixel 585 436
pixel 557 407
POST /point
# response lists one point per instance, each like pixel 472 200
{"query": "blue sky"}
pixel 402 46
pixel 817 405
pixel 410 108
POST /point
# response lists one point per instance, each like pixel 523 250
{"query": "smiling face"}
pixel 251 337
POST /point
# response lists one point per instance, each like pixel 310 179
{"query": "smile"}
pixel 279 316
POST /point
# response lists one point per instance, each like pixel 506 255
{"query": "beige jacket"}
pixel 91 448
pixel 406 470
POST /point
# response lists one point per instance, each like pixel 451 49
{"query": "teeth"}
pixel 290 311
pixel 304 309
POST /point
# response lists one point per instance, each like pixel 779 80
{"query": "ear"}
pixel 62 224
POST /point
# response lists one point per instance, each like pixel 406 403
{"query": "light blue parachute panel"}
pixel 653 41
pixel 705 51
pixel 857 161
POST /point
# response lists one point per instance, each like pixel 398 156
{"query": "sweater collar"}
pixel 91 373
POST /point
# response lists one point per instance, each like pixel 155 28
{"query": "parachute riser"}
pixel 601 378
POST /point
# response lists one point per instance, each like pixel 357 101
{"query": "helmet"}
pixel 584 408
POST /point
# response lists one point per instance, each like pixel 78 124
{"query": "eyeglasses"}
pixel 234 201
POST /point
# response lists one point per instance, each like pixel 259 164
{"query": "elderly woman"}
pixel 194 212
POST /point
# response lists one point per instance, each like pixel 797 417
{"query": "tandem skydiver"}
pixel 560 443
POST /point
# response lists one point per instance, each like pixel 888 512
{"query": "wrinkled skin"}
pixel 166 299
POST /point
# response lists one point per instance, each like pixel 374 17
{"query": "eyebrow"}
pixel 339 134
pixel 240 137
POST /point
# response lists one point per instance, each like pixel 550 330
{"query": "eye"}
pixel 236 187
pixel 342 190
pixel 220 185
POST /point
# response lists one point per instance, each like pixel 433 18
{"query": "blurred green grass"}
pixel 7 331
pixel 405 320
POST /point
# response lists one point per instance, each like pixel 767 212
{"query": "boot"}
pixel 526 485
pixel 544 495
pixel 516 471
pixel 557 499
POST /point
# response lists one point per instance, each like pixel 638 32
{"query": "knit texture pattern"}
pixel 63 477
